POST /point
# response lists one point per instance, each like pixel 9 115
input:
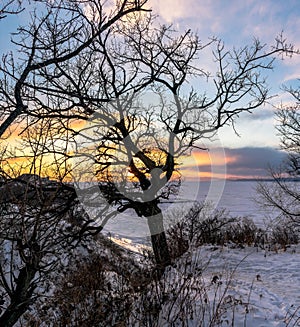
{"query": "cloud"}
pixel 254 158
pixel 255 162
pixel 260 114
pixel 235 19
pixel 293 76
pixel 247 162
pixel 172 10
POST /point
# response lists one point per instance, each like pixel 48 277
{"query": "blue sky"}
pixel 236 22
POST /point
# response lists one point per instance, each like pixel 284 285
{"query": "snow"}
pixel 278 272
pixel 268 282
pixel 244 286
pixel 255 287
pixel 211 285
pixel 236 286
pixel 129 244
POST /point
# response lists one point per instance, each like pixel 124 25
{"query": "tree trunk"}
pixel 158 237
pixel 20 298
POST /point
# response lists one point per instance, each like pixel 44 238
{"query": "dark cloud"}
pixel 247 161
pixel 253 161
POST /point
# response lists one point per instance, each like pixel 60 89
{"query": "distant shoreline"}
pixel 241 180
pixel 262 179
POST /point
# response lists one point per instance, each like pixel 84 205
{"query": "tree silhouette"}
pixel 82 65
pixel 10 7
pixel 283 194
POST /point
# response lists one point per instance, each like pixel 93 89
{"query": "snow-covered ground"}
pixel 246 286
pixel 256 287
pixel 268 281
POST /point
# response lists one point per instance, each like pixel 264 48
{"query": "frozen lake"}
pixel 238 197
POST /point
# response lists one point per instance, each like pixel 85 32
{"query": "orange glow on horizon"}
pixel 191 175
pixel 207 158
pixel 206 164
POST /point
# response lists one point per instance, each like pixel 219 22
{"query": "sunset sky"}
pixel 236 23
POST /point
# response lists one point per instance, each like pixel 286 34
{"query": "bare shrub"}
pixel 282 235
pixel 96 289
pixel 106 289
pixel 93 293
pixel 292 317
pixel 202 226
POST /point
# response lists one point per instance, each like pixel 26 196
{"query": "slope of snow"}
pixel 235 287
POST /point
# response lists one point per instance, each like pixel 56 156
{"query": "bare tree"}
pixel 39 227
pixel 80 65
pixel 10 7
pixel 63 33
pixel 283 194
pixel 109 83
pixel 40 221
pixel 33 240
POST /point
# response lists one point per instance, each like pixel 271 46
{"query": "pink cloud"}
pixel 171 10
